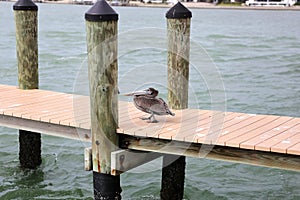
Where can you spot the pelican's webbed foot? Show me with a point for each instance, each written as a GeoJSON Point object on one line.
{"type": "Point", "coordinates": [153, 121]}
{"type": "Point", "coordinates": [151, 118]}
{"type": "Point", "coordinates": [145, 118]}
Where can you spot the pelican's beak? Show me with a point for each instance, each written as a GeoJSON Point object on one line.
{"type": "Point", "coordinates": [141, 92]}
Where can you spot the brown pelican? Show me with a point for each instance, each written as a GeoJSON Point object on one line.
{"type": "Point", "coordinates": [146, 101]}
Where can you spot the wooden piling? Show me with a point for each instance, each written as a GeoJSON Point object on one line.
{"type": "Point", "coordinates": [101, 29]}
{"type": "Point", "coordinates": [26, 20]}
{"type": "Point", "coordinates": [178, 25]}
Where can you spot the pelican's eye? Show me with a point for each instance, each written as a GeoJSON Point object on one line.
{"type": "Point", "coordinates": [148, 91]}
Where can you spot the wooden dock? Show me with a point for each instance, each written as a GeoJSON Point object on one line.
{"type": "Point", "coordinates": [265, 140]}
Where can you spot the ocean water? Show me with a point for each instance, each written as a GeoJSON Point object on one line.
{"type": "Point", "coordinates": [241, 60]}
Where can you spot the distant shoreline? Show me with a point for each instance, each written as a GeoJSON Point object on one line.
{"type": "Point", "coordinates": [201, 5]}
{"type": "Point", "coordinates": [198, 5]}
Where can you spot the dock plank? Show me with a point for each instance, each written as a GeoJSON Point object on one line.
{"type": "Point", "coordinates": [267, 145]}
{"type": "Point", "coordinates": [205, 134]}
{"type": "Point", "coordinates": [294, 149]}
{"type": "Point", "coordinates": [41, 109]}
{"type": "Point", "coordinates": [259, 138]}
{"type": "Point", "coordinates": [209, 137]}
{"type": "Point", "coordinates": [234, 138]}
{"type": "Point", "coordinates": [181, 126]}
{"type": "Point", "coordinates": [285, 144]}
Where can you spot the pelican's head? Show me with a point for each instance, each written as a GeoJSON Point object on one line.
{"type": "Point", "coordinates": [150, 92]}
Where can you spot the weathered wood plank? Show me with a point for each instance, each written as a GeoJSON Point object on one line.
{"type": "Point", "coordinates": [88, 164]}
{"type": "Point", "coordinates": [223, 153]}
{"type": "Point", "coordinates": [46, 128]}
{"type": "Point", "coordinates": [125, 160]}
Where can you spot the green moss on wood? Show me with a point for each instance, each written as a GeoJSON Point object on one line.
{"type": "Point", "coordinates": [27, 49]}
{"type": "Point", "coordinates": [27, 55]}
{"type": "Point", "coordinates": [178, 62]}
{"type": "Point", "coordinates": [103, 76]}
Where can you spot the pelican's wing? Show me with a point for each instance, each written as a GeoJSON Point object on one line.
{"type": "Point", "coordinates": [149, 105]}
{"type": "Point", "coordinates": [160, 107]}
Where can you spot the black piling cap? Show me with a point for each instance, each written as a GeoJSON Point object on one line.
{"type": "Point", "coordinates": [178, 11]}
{"type": "Point", "coordinates": [101, 11]}
{"type": "Point", "coordinates": [25, 5]}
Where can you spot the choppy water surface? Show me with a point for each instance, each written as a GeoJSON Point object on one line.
{"type": "Point", "coordinates": [257, 54]}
